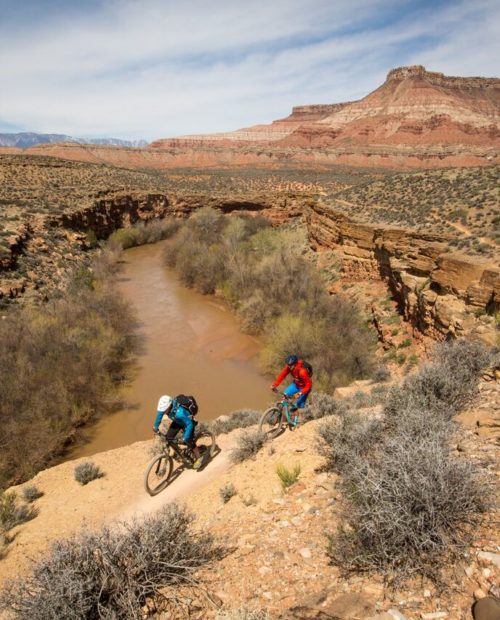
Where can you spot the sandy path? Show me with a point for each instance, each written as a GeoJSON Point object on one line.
{"type": "Point", "coordinates": [66, 506]}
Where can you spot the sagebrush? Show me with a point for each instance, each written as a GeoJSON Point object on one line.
{"type": "Point", "coordinates": [129, 563]}
{"type": "Point", "coordinates": [410, 504]}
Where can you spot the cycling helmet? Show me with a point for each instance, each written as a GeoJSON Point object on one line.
{"type": "Point", "coordinates": [291, 360]}
{"type": "Point", "coordinates": [164, 403]}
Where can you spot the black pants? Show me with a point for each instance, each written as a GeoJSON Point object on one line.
{"type": "Point", "coordinates": [175, 428]}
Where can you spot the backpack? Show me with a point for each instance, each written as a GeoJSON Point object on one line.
{"type": "Point", "coordinates": [188, 402]}
{"type": "Point", "coordinates": [308, 367]}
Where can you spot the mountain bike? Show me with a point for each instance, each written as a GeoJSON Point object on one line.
{"type": "Point", "coordinates": [276, 418]}
{"type": "Point", "coordinates": [160, 472]}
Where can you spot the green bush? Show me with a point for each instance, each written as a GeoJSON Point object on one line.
{"type": "Point", "coordinates": [288, 476]}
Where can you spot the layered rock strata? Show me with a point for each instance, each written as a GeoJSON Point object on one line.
{"type": "Point", "coordinates": [441, 294]}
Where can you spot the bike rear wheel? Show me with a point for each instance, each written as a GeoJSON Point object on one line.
{"type": "Point", "coordinates": [271, 423]}
{"type": "Point", "coordinates": [158, 473]}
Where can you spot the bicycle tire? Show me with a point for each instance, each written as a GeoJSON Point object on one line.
{"type": "Point", "coordinates": [271, 423]}
{"type": "Point", "coordinates": [157, 475]}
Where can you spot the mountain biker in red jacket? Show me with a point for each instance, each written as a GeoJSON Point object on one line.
{"type": "Point", "coordinates": [302, 382]}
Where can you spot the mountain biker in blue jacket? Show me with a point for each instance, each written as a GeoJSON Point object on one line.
{"type": "Point", "coordinates": [182, 419]}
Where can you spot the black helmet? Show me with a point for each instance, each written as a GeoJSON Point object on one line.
{"type": "Point", "coordinates": [291, 360]}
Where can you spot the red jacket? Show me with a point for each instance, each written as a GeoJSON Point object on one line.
{"type": "Point", "coordinates": [300, 376]}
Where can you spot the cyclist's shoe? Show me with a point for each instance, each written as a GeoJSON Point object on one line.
{"type": "Point", "coordinates": [198, 463]}
{"type": "Point", "coordinates": [293, 408]}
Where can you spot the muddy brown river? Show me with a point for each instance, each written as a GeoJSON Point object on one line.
{"type": "Point", "coordinates": [192, 345]}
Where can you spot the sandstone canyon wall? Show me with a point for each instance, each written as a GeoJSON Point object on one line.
{"type": "Point", "coordinates": [441, 294]}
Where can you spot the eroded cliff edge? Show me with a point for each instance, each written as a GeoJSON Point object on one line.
{"type": "Point", "coordinates": [440, 293]}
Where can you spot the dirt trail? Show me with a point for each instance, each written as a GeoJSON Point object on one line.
{"type": "Point", "coordinates": [66, 506]}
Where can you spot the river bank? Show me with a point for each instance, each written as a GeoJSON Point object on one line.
{"type": "Point", "coordinates": [191, 344]}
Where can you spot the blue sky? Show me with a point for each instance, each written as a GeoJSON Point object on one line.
{"type": "Point", "coordinates": [156, 68]}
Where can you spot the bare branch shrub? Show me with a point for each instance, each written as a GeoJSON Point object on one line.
{"type": "Point", "coordinates": [87, 471]}
{"type": "Point", "coordinates": [445, 385]}
{"type": "Point", "coordinates": [248, 444]}
{"type": "Point", "coordinates": [409, 510]}
{"type": "Point", "coordinates": [320, 405]}
{"type": "Point", "coordinates": [108, 574]}
{"type": "Point", "coordinates": [237, 419]}
{"type": "Point", "coordinates": [411, 506]}
{"type": "Point", "coordinates": [88, 336]}
{"type": "Point", "coordinates": [347, 440]}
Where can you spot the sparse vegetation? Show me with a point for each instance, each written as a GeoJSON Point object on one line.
{"type": "Point", "coordinates": [237, 419]}
{"type": "Point", "coordinates": [87, 471]}
{"type": "Point", "coordinates": [458, 203]}
{"type": "Point", "coordinates": [411, 503]}
{"type": "Point", "coordinates": [31, 493]}
{"type": "Point", "coordinates": [248, 444]}
{"type": "Point", "coordinates": [288, 476]}
{"type": "Point", "coordinates": [227, 492]}
{"type": "Point", "coordinates": [12, 513]}
{"type": "Point", "coordinates": [153, 557]}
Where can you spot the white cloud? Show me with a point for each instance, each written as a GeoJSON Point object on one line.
{"type": "Point", "coordinates": [156, 68]}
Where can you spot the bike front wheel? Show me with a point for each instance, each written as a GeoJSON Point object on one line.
{"type": "Point", "coordinates": [271, 423]}
{"type": "Point", "coordinates": [158, 473]}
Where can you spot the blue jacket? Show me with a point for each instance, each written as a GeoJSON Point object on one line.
{"type": "Point", "coordinates": [180, 416]}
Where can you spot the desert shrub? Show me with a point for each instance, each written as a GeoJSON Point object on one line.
{"type": "Point", "coordinates": [443, 386]}
{"type": "Point", "coordinates": [409, 510]}
{"type": "Point", "coordinates": [87, 471]}
{"type": "Point", "coordinates": [88, 336]}
{"type": "Point", "coordinates": [320, 405]}
{"type": "Point", "coordinates": [288, 476]}
{"type": "Point", "coordinates": [142, 233]}
{"type": "Point", "coordinates": [31, 493]}
{"type": "Point", "coordinates": [227, 491]}
{"type": "Point", "coordinates": [236, 419]}
{"type": "Point", "coordinates": [12, 513]}
{"type": "Point", "coordinates": [136, 560]}
{"type": "Point", "coordinates": [409, 503]}
{"type": "Point", "coordinates": [248, 444]}
{"type": "Point", "coordinates": [347, 440]}
{"type": "Point", "coordinates": [381, 373]}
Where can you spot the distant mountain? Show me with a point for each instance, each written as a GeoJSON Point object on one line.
{"type": "Point", "coordinates": [414, 107]}
{"type": "Point", "coordinates": [24, 140]}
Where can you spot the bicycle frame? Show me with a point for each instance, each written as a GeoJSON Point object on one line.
{"type": "Point", "coordinates": [285, 405]}
{"type": "Point", "coordinates": [185, 455]}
